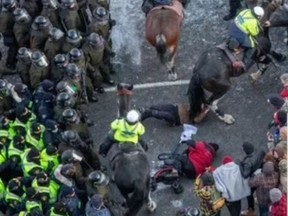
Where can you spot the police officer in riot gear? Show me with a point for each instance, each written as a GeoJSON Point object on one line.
{"type": "Point", "coordinates": [32, 6]}
{"type": "Point", "coordinates": [69, 15]}
{"type": "Point", "coordinates": [54, 43]}
{"type": "Point", "coordinates": [51, 10]}
{"type": "Point", "coordinates": [22, 26]}
{"type": "Point", "coordinates": [6, 29]}
{"type": "Point", "coordinates": [73, 39]}
{"type": "Point", "coordinates": [39, 32]}
{"type": "Point", "coordinates": [63, 101]}
{"type": "Point", "coordinates": [6, 100]}
{"type": "Point", "coordinates": [58, 67]}
{"type": "Point", "coordinates": [23, 64]}
{"type": "Point", "coordinates": [39, 69]}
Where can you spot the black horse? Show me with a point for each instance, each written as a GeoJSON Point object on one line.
{"type": "Point", "coordinates": [211, 75]}
{"type": "Point", "coordinates": [130, 165]}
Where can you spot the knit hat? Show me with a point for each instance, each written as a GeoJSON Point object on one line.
{"type": "Point", "coordinates": [280, 117]}
{"type": "Point", "coordinates": [14, 184]}
{"type": "Point", "coordinates": [47, 85]}
{"type": "Point", "coordinates": [20, 110]}
{"type": "Point", "coordinates": [33, 153]}
{"type": "Point", "coordinates": [96, 201]}
{"type": "Point", "coordinates": [248, 148]}
{"type": "Point", "coordinates": [275, 195]}
{"type": "Point", "coordinates": [59, 207]}
{"type": "Point", "coordinates": [50, 149]}
{"type": "Point", "coordinates": [275, 100]}
{"type": "Point", "coordinates": [207, 179]}
{"type": "Point", "coordinates": [227, 159]}
{"type": "Point", "coordinates": [18, 139]}
{"type": "Point", "coordinates": [67, 191]}
{"type": "Point", "coordinates": [268, 168]}
{"type": "Point", "coordinates": [51, 125]}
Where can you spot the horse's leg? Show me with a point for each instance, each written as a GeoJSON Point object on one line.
{"type": "Point", "coordinates": [170, 66]}
{"type": "Point", "coordinates": [227, 118]}
{"type": "Point", "coordinates": [255, 76]}
{"type": "Point", "coordinates": [150, 204]}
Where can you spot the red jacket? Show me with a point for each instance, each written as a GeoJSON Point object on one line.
{"type": "Point", "coordinates": [200, 156]}
{"type": "Point", "coordinates": [280, 208]}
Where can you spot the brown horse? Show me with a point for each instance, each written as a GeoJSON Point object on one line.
{"type": "Point", "coordinates": [162, 30]}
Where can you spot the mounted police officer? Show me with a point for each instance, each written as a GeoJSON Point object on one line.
{"type": "Point", "coordinates": [244, 28]}
{"type": "Point", "coordinates": [22, 26]}
{"type": "Point", "coordinates": [128, 129]}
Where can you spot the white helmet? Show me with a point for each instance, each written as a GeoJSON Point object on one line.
{"type": "Point", "coordinates": [258, 11]}
{"type": "Point", "coordinates": [133, 116]}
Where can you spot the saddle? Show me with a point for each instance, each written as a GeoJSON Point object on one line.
{"type": "Point", "coordinates": [174, 5]}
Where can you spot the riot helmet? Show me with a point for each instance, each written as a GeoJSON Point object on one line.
{"type": "Point", "coordinates": [73, 36]}
{"type": "Point", "coordinates": [98, 178]}
{"type": "Point", "coordinates": [68, 3]}
{"type": "Point", "coordinates": [63, 99]}
{"type": "Point", "coordinates": [75, 55]}
{"type": "Point", "coordinates": [55, 34]}
{"type": "Point", "coordinates": [21, 16]}
{"type": "Point", "coordinates": [9, 4]}
{"type": "Point", "coordinates": [41, 22]}
{"type": "Point", "coordinates": [39, 59]}
{"type": "Point", "coordinates": [101, 14]}
{"type": "Point", "coordinates": [73, 71]}
{"type": "Point", "coordinates": [68, 170]}
{"type": "Point", "coordinates": [70, 115]}
{"type": "Point", "coordinates": [70, 156]}
{"type": "Point", "coordinates": [51, 4]}
{"type": "Point", "coordinates": [63, 86]}
{"type": "Point", "coordinates": [61, 61]}
{"type": "Point", "coordinates": [5, 87]}
{"type": "Point", "coordinates": [24, 54]}
{"type": "Point", "coordinates": [95, 39]}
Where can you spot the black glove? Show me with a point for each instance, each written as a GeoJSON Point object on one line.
{"type": "Point", "coordinates": [112, 23]}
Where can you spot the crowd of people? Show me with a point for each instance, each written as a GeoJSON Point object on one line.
{"type": "Point", "coordinates": [48, 162]}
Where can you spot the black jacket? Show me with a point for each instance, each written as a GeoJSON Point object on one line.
{"type": "Point", "coordinates": [251, 163]}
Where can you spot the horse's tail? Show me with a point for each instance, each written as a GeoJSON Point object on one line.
{"type": "Point", "coordinates": [137, 199]}
{"type": "Point", "coordinates": [161, 48]}
{"type": "Point", "coordinates": [196, 95]}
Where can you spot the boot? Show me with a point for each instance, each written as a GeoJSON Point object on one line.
{"type": "Point", "coordinates": [278, 56]}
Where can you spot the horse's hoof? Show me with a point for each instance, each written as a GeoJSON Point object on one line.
{"type": "Point", "coordinates": [172, 76]}
{"type": "Point", "coordinates": [255, 76]}
{"type": "Point", "coordinates": [228, 119]}
{"type": "Point", "coordinates": [151, 206]}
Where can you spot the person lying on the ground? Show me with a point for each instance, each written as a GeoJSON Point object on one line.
{"type": "Point", "coordinates": [195, 159]}
{"type": "Point", "coordinates": [174, 114]}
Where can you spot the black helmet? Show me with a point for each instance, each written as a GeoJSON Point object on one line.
{"type": "Point", "coordinates": [75, 55]}
{"type": "Point", "coordinates": [61, 61]}
{"type": "Point", "coordinates": [63, 99]}
{"type": "Point", "coordinates": [21, 15]}
{"type": "Point", "coordinates": [55, 34]}
{"type": "Point", "coordinates": [5, 87]}
{"type": "Point", "coordinates": [63, 86]}
{"type": "Point", "coordinates": [3, 84]}
{"type": "Point", "coordinates": [53, 4]}
{"type": "Point", "coordinates": [73, 71]}
{"type": "Point", "coordinates": [100, 12]}
{"type": "Point", "coordinates": [68, 156]}
{"type": "Point", "coordinates": [69, 114]}
{"type": "Point", "coordinates": [41, 22]}
{"type": "Point", "coordinates": [51, 125]}
{"type": "Point", "coordinates": [68, 3]}
{"type": "Point", "coordinates": [98, 178]}
{"type": "Point", "coordinates": [24, 53]}
{"type": "Point", "coordinates": [68, 170]}
{"type": "Point", "coordinates": [39, 59]}
{"type": "Point", "coordinates": [73, 36]}
{"type": "Point", "coordinates": [9, 4]}
{"type": "Point", "coordinates": [95, 39]}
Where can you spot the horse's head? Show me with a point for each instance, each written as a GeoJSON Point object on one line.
{"type": "Point", "coordinates": [124, 92]}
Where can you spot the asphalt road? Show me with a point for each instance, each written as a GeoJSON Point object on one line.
{"type": "Point", "coordinates": [136, 63]}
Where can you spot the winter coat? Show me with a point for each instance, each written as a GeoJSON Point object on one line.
{"type": "Point", "coordinates": [251, 163]}
{"type": "Point", "coordinates": [200, 156]}
{"type": "Point", "coordinates": [230, 183]}
{"type": "Point", "coordinates": [90, 211]}
{"type": "Point", "coordinates": [283, 175]}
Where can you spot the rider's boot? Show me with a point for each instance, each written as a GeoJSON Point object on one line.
{"type": "Point", "coordinates": [106, 145]}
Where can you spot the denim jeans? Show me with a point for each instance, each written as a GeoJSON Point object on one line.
{"type": "Point", "coordinates": [264, 210]}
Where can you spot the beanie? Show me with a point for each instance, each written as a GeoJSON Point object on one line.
{"type": "Point", "coordinates": [227, 159]}
{"type": "Point", "coordinates": [275, 195]}
{"type": "Point", "coordinates": [20, 110]}
{"type": "Point", "coordinates": [275, 100]}
{"type": "Point", "coordinates": [14, 184]}
{"type": "Point", "coordinates": [51, 125]}
{"type": "Point", "coordinates": [268, 168]}
{"type": "Point", "coordinates": [36, 128]}
{"type": "Point", "coordinates": [248, 148]}
{"type": "Point", "coordinates": [31, 192]}
{"type": "Point", "coordinates": [18, 139]}
{"type": "Point", "coordinates": [33, 153]}
{"type": "Point", "coordinates": [280, 117]}
{"type": "Point", "coordinates": [67, 191]}
{"type": "Point", "coordinates": [50, 149]}
{"type": "Point", "coordinates": [59, 207]}
{"type": "Point", "coordinates": [47, 85]}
